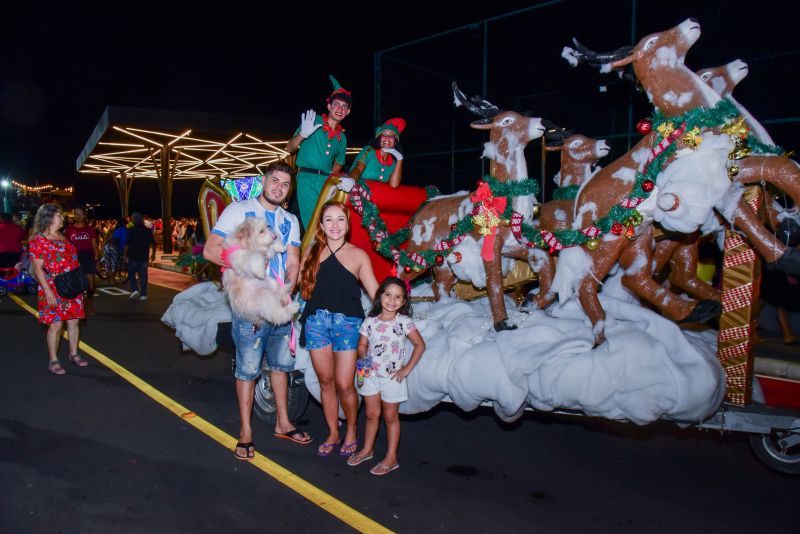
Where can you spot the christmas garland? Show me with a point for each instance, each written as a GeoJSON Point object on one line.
{"type": "Point", "coordinates": [724, 112]}
{"type": "Point", "coordinates": [622, 219]}
{"type": "Point", "coordinates": [386, 243]}
{"type": "Point", "coordinates": [569, 192]}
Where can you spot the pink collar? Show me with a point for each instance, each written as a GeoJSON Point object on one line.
{"type": "Point", "coordinates": [226, 252]}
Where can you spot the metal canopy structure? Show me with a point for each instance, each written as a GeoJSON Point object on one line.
{"type": "Point", "coordinates": [130, 143]}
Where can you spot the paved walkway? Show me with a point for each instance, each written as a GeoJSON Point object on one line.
{"type": "Point", "coordinates": [169, 279]}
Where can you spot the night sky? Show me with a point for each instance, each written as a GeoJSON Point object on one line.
{"type": "Point", "coordinates": [59, 71]}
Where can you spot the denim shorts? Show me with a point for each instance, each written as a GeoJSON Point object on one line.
{"type": "Point", "coordinates": [251, 347]}
{"type": "Point", "coordinates": [325, 328]}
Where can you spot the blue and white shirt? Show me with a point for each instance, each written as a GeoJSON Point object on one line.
{"type": "Point", "coordinates": [283, 223]}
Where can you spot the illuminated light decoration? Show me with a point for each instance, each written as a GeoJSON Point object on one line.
{"type": "Point", "coordinates": [137, 153]}
{"type": "Point", "coordinates": [39, 188]}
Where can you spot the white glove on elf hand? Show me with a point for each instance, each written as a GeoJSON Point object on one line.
{"type": "Point", "coordinates": [345, 184]}
{"type": "Point", "coordinates": [307, 126]}
{"type": "Point", "coordinates": [398, 156]}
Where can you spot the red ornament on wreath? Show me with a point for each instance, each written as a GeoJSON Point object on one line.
{"type": "Point", "coordinates": [453, 227]}
{"type": "Point", "coordinates": [647, 186]}
{"type": "Point", "coordinates": [617, 229]}
{"type": "Point", "coordinates": [644, 126]}
{"type": "Point", "coordinates": [439, 259]}
{"type": "Point", "coordinates": [407, 269]}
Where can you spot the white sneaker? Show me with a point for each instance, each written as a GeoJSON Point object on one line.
{"type": "Point", "coordinates": [134, 295]}
{"type": "Point", "coordinates": [143, 297]}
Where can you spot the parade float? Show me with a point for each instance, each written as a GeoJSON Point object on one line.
{"type": "Point", "coordinates": [600, 334]}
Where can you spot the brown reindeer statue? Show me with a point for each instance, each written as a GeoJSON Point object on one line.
{"type": "Point", "coordinates": [481, 258]}
{"type": "Point", "coordinates": [683, 255]}
{"type": "Point", "coordinates": [579, 157]}
{"type": "Point", "coordinates": [690, 183]}
{"type": "Point", "coordinates": [723, 80]}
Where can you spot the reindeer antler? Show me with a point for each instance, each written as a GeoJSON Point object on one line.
{"type": "Point", "coordinates": [555, 135]}
{"type": "Point", "coordinates": [581, 54]}
{"type": "Point", "coordinates": [476, 104]}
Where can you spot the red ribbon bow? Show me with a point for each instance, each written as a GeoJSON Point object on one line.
{"type": "Point", "coordinates": [489, 205]}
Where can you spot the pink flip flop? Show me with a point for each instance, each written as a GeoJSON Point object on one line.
{"type": "Point", "coordinates": [353, 461]}
{"type": "Point", "coordinates": [380, 469]}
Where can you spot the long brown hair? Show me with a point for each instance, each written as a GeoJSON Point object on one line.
{"type": "Point", "coordinates": [308, 276]}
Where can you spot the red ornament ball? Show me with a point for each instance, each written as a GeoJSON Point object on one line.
{"type": "Point", "coordinates": [617, 229]}
{"type": "Point", "coordinates": [647, 186]}
{"type": "Point", "coordinates": [407, 269]}
{"type": "Point", "coordinates": [439, 259]}
{"type": "Point", "coordinates": [644, 126]}
{"type": "Point", "coordinates": [452, 227]}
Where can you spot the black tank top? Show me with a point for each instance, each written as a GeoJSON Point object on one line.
{"type": "Point", "coordinates": [337, 290]}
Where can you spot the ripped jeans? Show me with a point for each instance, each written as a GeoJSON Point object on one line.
{"type": "Point", "coordinates": [252, 344]}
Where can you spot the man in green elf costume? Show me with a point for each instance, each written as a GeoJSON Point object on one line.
{"type": "Point", "coordinates": [321, 143]}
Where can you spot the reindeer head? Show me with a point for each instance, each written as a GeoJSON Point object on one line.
{"type": "Point", "coordinates": [657, 61]}
{"type": "Point", "coordinates": [578, 154]}
{"type": "Point", "coordinates": [725, 78]}
{"type": "Point", "coordinates": [499, 123]}
{"type": "Point", "coordinates": [509, 133]}
{"type": "Point", "coordinates": [667, 48]}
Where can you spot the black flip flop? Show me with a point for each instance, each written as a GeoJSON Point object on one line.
{"type": "Point", "coordinates": [248, 447]}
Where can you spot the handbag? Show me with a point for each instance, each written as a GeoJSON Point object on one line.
{"type": "Point", "coordinates": [71, 283]}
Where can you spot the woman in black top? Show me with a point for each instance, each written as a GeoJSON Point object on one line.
{"type": "Point", "coordinates": [332, 272]}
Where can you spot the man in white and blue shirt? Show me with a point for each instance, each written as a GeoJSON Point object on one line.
{"type": "Point", "coordinates": [253, 342]}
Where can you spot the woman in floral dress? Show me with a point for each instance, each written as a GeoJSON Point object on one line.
{"type": "Point", "coordinates": [51, 254]}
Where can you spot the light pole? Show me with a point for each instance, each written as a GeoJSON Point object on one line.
{"type": "Point", "coordinates": [5, 184]}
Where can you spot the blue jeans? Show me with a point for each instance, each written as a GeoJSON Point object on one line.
{"type": "Point", "coordinates": [252, 343]}
{"type": "Point", "coordinates": [138, 268]}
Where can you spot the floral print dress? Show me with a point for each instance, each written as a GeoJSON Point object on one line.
{"type": "Point", "coordinates": [59, 257]}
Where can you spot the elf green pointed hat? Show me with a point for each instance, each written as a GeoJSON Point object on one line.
{"type": "Point", "coordinates": [395, 125]}
{"type": "Point", "coordinates": [339, 92]}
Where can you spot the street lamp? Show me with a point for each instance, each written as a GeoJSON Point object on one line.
{"type": "Point", "coordinates": [5, 184]}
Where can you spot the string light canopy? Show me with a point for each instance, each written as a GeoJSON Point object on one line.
{"type": "Point", "coordinates": [131, 143]}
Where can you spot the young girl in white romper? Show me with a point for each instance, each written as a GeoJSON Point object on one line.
{"type": "Point", "coordinates": [381, 373]}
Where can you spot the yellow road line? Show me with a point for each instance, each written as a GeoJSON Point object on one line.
{"type": "Point", "coordinates": [324, 500]}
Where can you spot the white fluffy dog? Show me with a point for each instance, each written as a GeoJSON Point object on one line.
{"type": "Point", "coordinates": [253, 295]}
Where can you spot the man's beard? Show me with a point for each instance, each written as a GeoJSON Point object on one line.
{"type": "Point", "coordinates": [270, 201]}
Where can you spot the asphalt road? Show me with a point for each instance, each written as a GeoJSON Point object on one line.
{"type": "Point", "coordinates": [88, 452]}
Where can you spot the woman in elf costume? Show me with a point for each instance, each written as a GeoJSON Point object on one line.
{"type": "Point", "coordinates": [382, 159]}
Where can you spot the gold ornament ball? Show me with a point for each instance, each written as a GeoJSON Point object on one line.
{"type": "Point", "coordinates": [537, 209]}
{"type": "Point", "coordinates": [593, 244]}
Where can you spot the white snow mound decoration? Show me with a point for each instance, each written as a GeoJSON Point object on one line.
{"type": "Point", "coordinates": [647, 369]}
{"type": "Point", "coordinates": [195, 314]}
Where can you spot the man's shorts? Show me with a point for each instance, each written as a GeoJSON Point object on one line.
{"type": "Point", "coordinates": [389, 389]}
{"type": "Point", "coordinates": [336, 329]}
{"type": "Point", "coordinates": [252, 345]}
{"type": "Point", "coordinates": [87, 261]}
